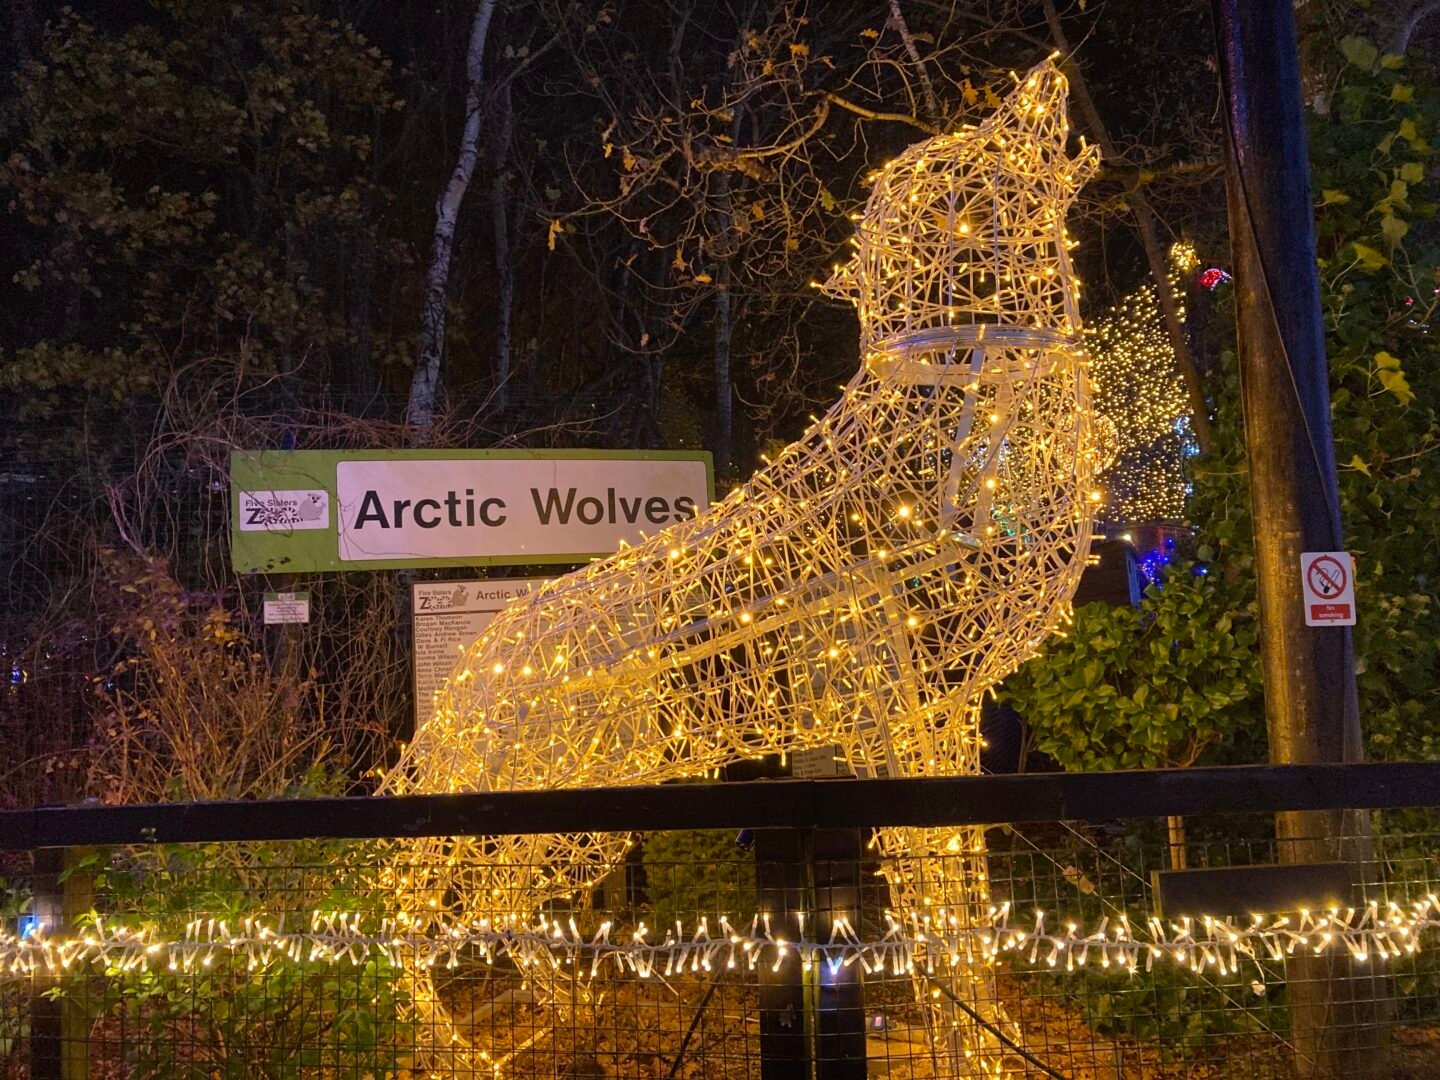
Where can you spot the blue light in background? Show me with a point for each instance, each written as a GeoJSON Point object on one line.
{"type": "Point", "coordinates": [1152, 563]}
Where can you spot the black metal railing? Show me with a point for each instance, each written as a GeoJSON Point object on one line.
{"type": "Point", "coordinates": [864, 931]}
{"type": "Point", "coordinates": [957, 800]}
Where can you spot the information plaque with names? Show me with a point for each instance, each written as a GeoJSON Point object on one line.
{"type": "Point", "coordinates": [448, 616]}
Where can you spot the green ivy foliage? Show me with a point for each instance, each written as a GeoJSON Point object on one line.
{"type": "Point", "coordinates": [1144, 688]}
{"type": "Point", "coordinates": [695, 872]}
{"type": "Point", "coordinates": [179, 189]}
{"type": "Point", "coordinates": [295, 1019]}
{"type": "Point", "coordinates": [1385, 365]}
{"type": "Point", "coordinates": [1372, 170]}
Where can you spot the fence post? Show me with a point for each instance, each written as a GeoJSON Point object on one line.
{"type": "Point", "coordinates": [59, 1025]}
{"type": "Point", "coordinates": [840, 1050]}
{"type": "Point", "coordinates": [781, 879]}
{"type": "Point", "coordinates": [46, 1037]}
{"type": "Point", "coordinates": [811, 1024]}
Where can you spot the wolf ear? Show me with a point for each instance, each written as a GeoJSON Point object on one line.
{"type": "Point", "coordinates": [1039, 103]}
{"type": "Point", "coordinates": [1044, 84]}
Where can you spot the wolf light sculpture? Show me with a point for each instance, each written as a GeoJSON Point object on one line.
{"type": "Point", "coordinates": [861, 591]}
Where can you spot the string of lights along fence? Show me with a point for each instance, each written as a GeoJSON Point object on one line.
{"type": "Point", "coordinates": [915, 942]}
{"type": "Point", "coordinates": [861, 591]}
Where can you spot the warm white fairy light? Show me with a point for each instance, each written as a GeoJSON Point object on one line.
{"type": "Point", "coordinates": [1138, 388]}
{"type": "Point", "coordinates": [862, 591]}
{"type": "Point", "coordinates": [931, 942]}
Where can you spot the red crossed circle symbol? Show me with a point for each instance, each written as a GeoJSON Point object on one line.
{"type": "Point", "coordinates": [1326, 577]}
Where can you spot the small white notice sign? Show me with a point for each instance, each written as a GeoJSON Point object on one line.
{"type": "Point", "coordinates": [448, 616]}
{"type": "Point", "coordinates": [1328, 581]}
{"type": "Point", "coordinates": [287, 607]}
{"type": "Point", "coordinates": [816, 763]}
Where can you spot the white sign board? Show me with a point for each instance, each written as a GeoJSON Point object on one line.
{"type": "Point", "coordinates": [1328, 581]}
{"type": "Point", "coordinates": [448, 616]}
{"type": "Point", "coordinates": [287, 607]}
{"type": "Point", "coordinates": [519, 509]}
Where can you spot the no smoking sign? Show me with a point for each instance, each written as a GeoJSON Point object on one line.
{"type": "Point", "coordinates": [1328, 581]}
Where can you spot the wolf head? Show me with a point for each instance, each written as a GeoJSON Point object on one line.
{"type": "Point", "coordinates": [970, 227]}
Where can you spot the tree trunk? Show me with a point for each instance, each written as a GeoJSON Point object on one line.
{"type": "Point", "coordinates": [504, 273]}
{"type": "Point", "coordinates": [723, 224]}
{"type": "Point", "coordinates": [1175, 826]}
{"type": "Point", "coordinates": [897, 18]}
{"type": "Point", "coordinates": [1149, 238]}
{"type": "Point", "coordinates": [1159, 265]}
{"type": "Point", "coordinates": [25, 32]}
{"type": "Point", "coordinates": [424, 386]}
{"type": "Point", "coordinates": [357, 379]}
{"type": "Point", "coordinates": [647, 434]}
{"type": "Point", "coordinates": [724, 393]}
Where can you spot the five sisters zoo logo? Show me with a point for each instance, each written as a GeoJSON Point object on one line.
{"type": "Point", "coordinates": [284, 511]}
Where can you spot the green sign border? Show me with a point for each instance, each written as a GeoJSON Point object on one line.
{"type": "Point", "coordinates": [311, 550]}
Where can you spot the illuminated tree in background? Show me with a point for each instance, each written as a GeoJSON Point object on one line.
{"type": "Point", "coordinates": [1138, 388]}
{"type": "Point", "coordinates": [862, 591]}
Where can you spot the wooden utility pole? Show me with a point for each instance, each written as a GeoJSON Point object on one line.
{"type": "Point", "coordinates": [1310, 704]}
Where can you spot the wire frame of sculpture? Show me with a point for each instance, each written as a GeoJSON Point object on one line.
{"type": "Point", "coordinates": [862, 591]}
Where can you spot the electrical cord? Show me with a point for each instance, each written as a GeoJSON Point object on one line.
{"type": "Point", "coordinates": [993, 1029]}
{"type": "Point", "coordinates": [694, 1023]}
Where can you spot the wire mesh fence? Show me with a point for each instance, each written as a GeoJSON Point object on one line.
{"type": "Point", "coordinates": [725, 952]}
{"type": "Point", "coordinates": [111, 511]}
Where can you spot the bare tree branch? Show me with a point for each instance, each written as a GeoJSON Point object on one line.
{"type": "Point", "coordinates": [1145, 226]}
{"type": "Point", "coordinates": [871, 114]}
{"type": "Point", "coordinates": [1411, 23]}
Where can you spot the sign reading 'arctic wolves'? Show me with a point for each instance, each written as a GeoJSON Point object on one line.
{"type": "Point", "coordinates": [410, 509]}
{"type": "Point", "coordinates": [307, 510]}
